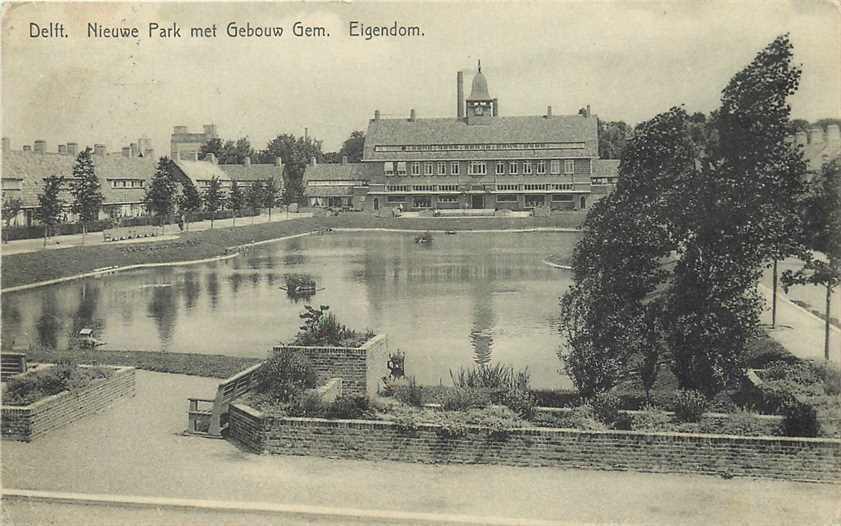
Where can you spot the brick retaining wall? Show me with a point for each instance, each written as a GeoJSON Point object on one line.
{"type": "Point", "coordinates": [359, 368]}
{"type": "Point", "coordinates": [29, 422]}
{"type": "Point", "coordinates": [802, 459]}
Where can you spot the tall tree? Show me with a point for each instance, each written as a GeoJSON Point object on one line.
{"type": "Point", "coordinates": [161, 195]}
{"type": "Point", "coordinates": [11, 208]}
{"type": "Point", "coordinates": [213, 198]}
{"type": "Point", "coordinates": [189, 201]}
{"type": "Point", "coordinates": [295, 152]}
{"type": "Point", "coordinates": [612, 139]}
{"type": "Point", "coordinates": [87, 192]}
{"type": "Point", "coordinates": [254, 198]}
{"type": "Point", "coordinates": [352, 147]}
{"type": "Point", "coordinates": [227, 152]}
{"type": "Point", "coordinates": [50, 204]}
{"type": "Point", "coordinates": [270, 193]}
{"type": "Point", "coordinates": [235, 201]}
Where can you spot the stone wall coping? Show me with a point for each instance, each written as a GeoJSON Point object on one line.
{"type": "Point", "coordinates": [670, 413]}
{"type": "Point", "coordinates": [362, 348]}
{"type": "Point", "coordinates": [34, 405]}
{"type": "Point", "coordinates": [532, 430]}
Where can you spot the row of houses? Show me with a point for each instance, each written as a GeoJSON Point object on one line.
{"type": "Point", "coordinates": [124, 176]}
{"type": "Point", "coordinates": [479, 159]}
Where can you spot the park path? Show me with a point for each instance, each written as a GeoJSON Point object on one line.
{"type": "Point", "coordinates": [171, 231]}
{"type": "Point", "coordinates": [135, 449]}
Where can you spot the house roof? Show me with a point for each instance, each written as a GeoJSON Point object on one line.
{"type": "Point", "coordinates": [328, 191]}
{"type": "Point", "coordinates": [201, 171]}
{"type": "Point", "coordinates": [496, 130]}
{"type": "Point", "coordinates": [337, 172]}
{"type": "Point", "coordinates": [605, 167]}
{"type": "Point", "coordinates": [31, 168]}
{"type": "Point", "coordinates": [253, 172]}
{"type": "Point", "coordinates": [817, 154]}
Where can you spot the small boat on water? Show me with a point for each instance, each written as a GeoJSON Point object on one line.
{"type": "Point", "coordinates": [423, 239]}
{"type": "Point", "coordinates": [87, 340]}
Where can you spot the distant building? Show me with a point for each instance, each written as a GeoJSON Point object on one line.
{"type": "Point", "coordinates": [479, 159]}
{"type": "Point", "coordinates": [342, 185]}
{"type": "Point", "coordinates": [123, 178]}
{"type": "Point", "coordinates": [820, 145]}
{"type": "Point", "coordinates": [200, 173]}
{"type": "Point", "coordinates": [186, 145]}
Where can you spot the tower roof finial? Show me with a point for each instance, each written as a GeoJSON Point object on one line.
{"type": "Point", "coordinates": [480, 65]}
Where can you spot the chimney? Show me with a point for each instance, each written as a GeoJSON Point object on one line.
{"type": "Point", "coordinates": [40, 146]}
{"type": "Point", "coordinates": [210, 157]}
{"type": "Point", "coordinates": [27, 148]}
{"type": "Point", "coordinates": [833, 134]}
{"type": "Point", "coordinates": [62, 149]}
{"type": "Point", "coordinates": [314, 162]}
{"type": "Point", "coordinates": [815, 136]}
{"type": "Point", "coordinates": [99, 149]}
{"type": "Point", "coordinates": [247, 161]}
{"type": "Point", "coordinates": [460, 94]}
{"type": "Point", "coordinates": [72, 148]}
{"type": "Point", "coordinates": [801, 138]}
{"type": "Point", "coordinates": [587, 112]}
{"type": "Point", "coordinates": [7, 144]}
{"type": "Point", "coordinates": [344, 159]}
{"type": "Point", "coordinates": [149, 153]}
{"type": "Point", "coordinates": [548, 111]}
{"type": "Point", "coordinates": [376, 115]}
{"type": "Point", "coordinates": [496, 108]}
{"type": "Point", "coordinates": [195, 155]}
{"type": "Point", "coordinates": [134, 149]}
{"type": "Point", "coordinates": [412, 115]}
{"type": "Point", "coordinates": [126, 152]}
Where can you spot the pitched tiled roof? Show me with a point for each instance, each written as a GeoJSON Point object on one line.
{"type": "Point", "coordinates": [818, 154]}
{"type": "Point", "coordinates": [32, 168]}
{"type": "Point", "coordinates": [498, 130]}
{"type": "Point", "coordinates": [605, 167]}
{"type": "Point", "coordinates": [337, 172]}
{"type": "Point", "coordinates": [328, 191]}
{"type": "Point", "coordinates": [201, 171]}
{"type": "Point", "coordinates": [253, 172]}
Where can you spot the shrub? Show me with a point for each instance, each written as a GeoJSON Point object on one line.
{"type": "Point", "coordinates": [463, 398]}
{"type": "Point", "coordinates": [741, 423]}
{"type": "Point", "coordinates": [520, 402]}
{"type": "Point", "coordinates": [689, 405]}
{"type": "Point", "coordinates": [651, 419]}
{"type": "Point", "coordinates": [323, 328]}
{"type": "Point", "coordinates": [308, 404]}
{"type": "Point", "coordinates": [495, 377]}
{"type": "Point", "coordinates": [582, 417]}
{"type": "Point", "coordinates": [830, 375]}
{"type": "Point", "coordinates": [410, 394]}
{"type": "Point", "coordinates": [24, 390]}
{"type": "Point", "coordinates": [606, 407]}
{"type": "Point", "coordinates": [285, 376]}
{"type": "Point", "coordinates": [763, 350]}
{"type": "Point", "coordinates": [799, 419]}
{"type": "Point", "coordinates": [348, 407]}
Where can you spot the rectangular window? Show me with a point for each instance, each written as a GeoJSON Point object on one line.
{"type": "Point", "coordinates": [401, 167]}
{"type": "Point", "coordinates": [541, 167]}
{"type": "Point", "coordinates": [454, 168]}
{"type": "Point", "coordinates": [562, 197]}
{"type": "Point", "coordinates": [512, 168]}
{"type": "Point", "coordinates": [423, 202]}
{"type": "Point", "coordinates": [526, 167]}
{"type": "Point", "coordinates": [415, 168]}
{"type": "Point", "coordinates": [428, 169]}
{"type": "Point", "coordinates": [507, 198]}
{"type": "Point", "coordinates": [442, 168]}
{"type": "Point", "coordinates": [388, 168]}
{"type": "Point", "coordinates": [569, 166]}
{"type": "Point", "coordinates": [563, 187]}
{"type": "Point", "coordinates": [477, 167]}
{"type": "Point", "coordinates": [555, 166]}
{"type": "Point", "coordinates": [535, 200]}
{"type": "Point", "coordinates": [500, 168]}
{"type": "Point", "coordinates": [448, 188]}
{"type": "Point", "coordinates": [507, 187]}
{"type": "Point", "coordinates": [396, 199]}
{"type": "Point", "coordinates": [423, 188]}
{"type": "Point", "coordinates": [447, 199]}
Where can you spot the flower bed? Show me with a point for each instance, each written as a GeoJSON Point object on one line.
{"type": "Point", "coordinates": [27, 422]}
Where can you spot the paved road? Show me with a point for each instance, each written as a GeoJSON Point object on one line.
{"type": "Point", "coordinates": [95, 238]}
{"type": "Point", "coordinates": [135, 449]}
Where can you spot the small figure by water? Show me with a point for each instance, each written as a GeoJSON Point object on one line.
{"type": "Point", "coordinates": [424, 239]}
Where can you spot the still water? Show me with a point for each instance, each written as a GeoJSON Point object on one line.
{"type": "Point", "coordinates": [464, 299]}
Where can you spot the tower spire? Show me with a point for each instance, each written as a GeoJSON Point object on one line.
{"type": "Point", "coordinates": [480, 65]}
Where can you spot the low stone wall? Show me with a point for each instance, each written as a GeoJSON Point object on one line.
{"type": "Point", "coordinates": [802, 459]}
{"type": "Point", "coordinates": [359, 368]}
{"type": "Point", "coordinates": [29, 422]}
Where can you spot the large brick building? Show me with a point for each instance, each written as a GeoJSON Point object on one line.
{"type": "Point", "coordinates": [480, 159]}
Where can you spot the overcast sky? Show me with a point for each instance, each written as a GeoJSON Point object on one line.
{"type": "Point", "coordinates": [629, 61]}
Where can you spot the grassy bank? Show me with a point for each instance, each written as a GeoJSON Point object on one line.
{"type": "Point", "coordinates": [33, 267]}
{"type": "Point", "coordinates": [209, 365]}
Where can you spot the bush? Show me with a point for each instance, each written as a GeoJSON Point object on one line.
{"type": "Point", "coordinates": [689, 405]}
{"type": "Point", "coordinates": [520, 402]}
{"type": "Point", "coordinates": [463, 398]}
{"type": "Point", "coordinates": [348, 407]}
{"type": "Point", "coordinates": [606, 407]}
{"type": "Point", "coordinates": [651, 419]}
{"type": "Point", "coordinates": [24, 390]}
{"type": "Point", "coordinates": [741, 423]}
{"type": "Point", "coordinates": [323, 328]}
{"type": "Point", "coordinates": [763, 350]}
{"type": "Point", "coordinates": [285, 376]}
{"type": "Point", "coordinates": [309, 404]}
{"type": "Point", "coordinates": [800, 419]}
{"type": "Point", "coordinates": [496, 377]}
{"type": "Point", "coordinates": [410, 394]}
{"type": "Point", "coordinates": [582, 417]}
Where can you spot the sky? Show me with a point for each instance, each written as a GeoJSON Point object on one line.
{"type": "Point", "coordinates": [628, 61]}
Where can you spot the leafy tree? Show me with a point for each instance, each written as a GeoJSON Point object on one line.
{"type": "Point", "coordinates": [352, 147]}
{"type": "Point", "coordinates": [189, 201]}
{"type": "Point", "coordinates": [50, 204]}
{"type": "Point", "coordinates": [160, 197]}
{"type": "Point", "coordinates": [612, 138]}
{"type": "Point", "coordinates": [235, 201]}
{"type": "Point", "coordinates": [213, 146]}
{"type": "Point", "coordinates": [87, 193]}
{"type": "Point", "coordinates": [228, 152]}
{"type": "Point", "coordinates": [11, 208]}
{"type": "Point", "coordinates": [823, 217]}
{"type": "Point", "coordinates": [270, 193]}
{"type": "Point", "coordinates": [295, 152]}
{"type": "Point", "coordinates": [254, 198]}
{"type": "Point", "coordinates": [213, 198]}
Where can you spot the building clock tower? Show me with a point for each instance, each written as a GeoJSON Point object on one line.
{"type": "Point", "coordinates": [480, 106]}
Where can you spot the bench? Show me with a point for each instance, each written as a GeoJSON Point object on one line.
{"type": "Point", "coordinates": [209, 417]}
{"type": "Point", "coordinates": [129, 232]}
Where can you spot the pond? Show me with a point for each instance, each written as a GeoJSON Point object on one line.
{"type": "Point", "coordinates": [462, 299]}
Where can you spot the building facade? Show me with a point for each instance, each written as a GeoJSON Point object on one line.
{"type": "Point", "coordinates": [186, 145]}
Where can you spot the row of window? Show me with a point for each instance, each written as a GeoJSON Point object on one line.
{"type": "Point", "coordinates": [479, 147]}
{"type": "Point", "coordinates": [539, 187]}
{"type": "Point", "coordinates": [530, 200]}
{"type": "Point", "coordinates": [480, 167]}
{"type": "Point", "coordinates": [127, 183]}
